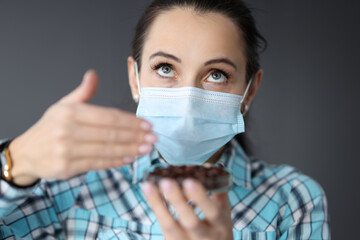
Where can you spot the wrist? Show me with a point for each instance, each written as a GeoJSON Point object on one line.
{"type": "Point", "coordinates": [20, 169]}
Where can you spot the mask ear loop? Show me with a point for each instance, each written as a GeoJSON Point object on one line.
{"type": "Point", "coordinates": [137, 96]}
{"type": "Point", "coordinates": [244, 96]}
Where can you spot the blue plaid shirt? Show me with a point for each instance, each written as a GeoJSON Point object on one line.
{"type": "Point", "coordinates": [268, 202]}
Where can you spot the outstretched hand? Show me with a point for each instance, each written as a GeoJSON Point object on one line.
{"type": "Point", "coordinates": [73, 137]}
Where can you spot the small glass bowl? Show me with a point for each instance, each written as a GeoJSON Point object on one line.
{"type": "Point", "coordinates": [214, 178]}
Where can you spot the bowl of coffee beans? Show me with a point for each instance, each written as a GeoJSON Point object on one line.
{"type": "Point", "coordinates": [215, 179]}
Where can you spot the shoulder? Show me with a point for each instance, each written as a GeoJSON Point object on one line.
{"type": "Point", "coordinates": [291, 203]}
{"type": "Point", "coordinates": [302, 203]}
{"type": "Point", "coordinates": [297, 183]}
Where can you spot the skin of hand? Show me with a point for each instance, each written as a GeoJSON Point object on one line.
{"type": "Point", "coordinates": [73, 137]}
{"type": "Point", "coordinates": [216, 224]}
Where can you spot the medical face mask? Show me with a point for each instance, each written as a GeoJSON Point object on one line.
{"type": "Point", "coordinates": [191, 123]}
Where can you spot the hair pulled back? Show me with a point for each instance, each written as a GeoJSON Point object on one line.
{"type": "Point", "coordinates": [236, 10]}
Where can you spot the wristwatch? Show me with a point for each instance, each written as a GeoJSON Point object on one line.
{"type": "Point", "coordinates": [6, 162]}
{"type": "Point", "coordinates": [6, 165]}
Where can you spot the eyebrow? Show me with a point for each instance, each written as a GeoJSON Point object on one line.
{"type": "Point", "coordinates": [221, 60]}
{"type": "Point", "coordinates": [164, 54]}
{"type": "Point", "coordinates": [212, 61]}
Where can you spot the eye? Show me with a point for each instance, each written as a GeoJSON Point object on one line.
{"type": "Point", "coordinates": [217, 76]}
{"type": "Point", "coordinates": [165, 70]}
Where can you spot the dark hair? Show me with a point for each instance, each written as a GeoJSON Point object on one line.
{"type": "Point", "coordinates": [236, 10]}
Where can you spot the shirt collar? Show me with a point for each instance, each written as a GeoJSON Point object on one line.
{"type": "Point", "coordinates": [233, 158]}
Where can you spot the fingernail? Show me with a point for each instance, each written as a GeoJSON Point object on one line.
{"type": "Point", "coordinates": [145, 126]}
{"type": "Point", "coordinates": [128, 159]}
{"type": "Point", "coordinates": [150, 138]}
{"type": "Point", "coordinates": [147, 188]}
{"type": "Point", "coordinates": [165, 185]}
{"type": "Point", "coordinates": [189, 185]}
{"type": "Point", "coordinates": [88, 72]}
{"type": "Point", "coordinates": [145, 148]}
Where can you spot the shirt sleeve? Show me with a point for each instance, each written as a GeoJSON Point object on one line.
{"type": "Point", "coordinates": [305, 215]}
{"type": "Point", "coordinates": [10, 195]}
{"type": "Point", "coordinates": [38, 212]}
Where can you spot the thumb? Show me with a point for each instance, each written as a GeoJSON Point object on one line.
{"type": "Point", "coordinates": [86, 90]}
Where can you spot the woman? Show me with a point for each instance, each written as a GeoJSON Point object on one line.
{"type": "Point", "coordinates": [78, 172]}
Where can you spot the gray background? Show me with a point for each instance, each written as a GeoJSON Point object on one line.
{"type": "Point", "coordinates": [306, 113]}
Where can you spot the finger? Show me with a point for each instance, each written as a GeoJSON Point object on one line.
{"type": "Point", "coordinates": [106, 116]}
{"type": "Point", "coordinates": [112, 135]}
{"type": "Point", "coordinates": [169, 226]}
{"type": "Point", "coordinates": [187, 217]}
{"type": "Point", "coordinates": [222, 200]}
{"type": "Point", "coordinates": [88, 164]}
{"type": "Point", "coordinates": [108, 150]}
{"type": "Point", "coordinates": [195, 191]}
{"type": "Point", "coordinates": [85, 91]}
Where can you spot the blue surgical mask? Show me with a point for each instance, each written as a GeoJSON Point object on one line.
{"type": "Point", "coordinates": [191, 123]}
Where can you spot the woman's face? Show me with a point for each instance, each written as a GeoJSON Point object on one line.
{"type": "Point", "coordinates": [184, 48]}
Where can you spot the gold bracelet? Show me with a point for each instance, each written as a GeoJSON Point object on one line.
{"type": "Point", "coordinates": [8, 165]}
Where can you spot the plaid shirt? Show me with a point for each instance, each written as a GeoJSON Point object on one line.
{"type": "Point", "coordinates": [268, 202]}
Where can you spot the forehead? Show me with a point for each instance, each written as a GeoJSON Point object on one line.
{"type": "Point", "coordinates": [191, 35]}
